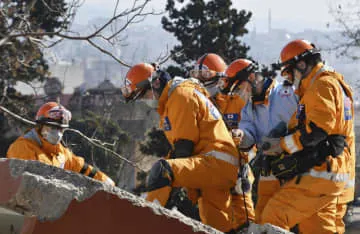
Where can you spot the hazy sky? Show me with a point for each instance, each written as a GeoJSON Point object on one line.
{"type": "Point", "coordinates": [294, 15]}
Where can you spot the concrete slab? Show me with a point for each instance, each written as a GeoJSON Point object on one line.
{"type": "Point", "coordinates": [45, 199]}
{"type": "Point", "coordinates": [10, 221]}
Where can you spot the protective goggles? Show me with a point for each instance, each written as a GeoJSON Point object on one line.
{"type": "Point", "coordinates": [204, 73]}
{"type": "Point", "coordinates": [56, 117]}
{"type": "Point", "coordinates": [60, 114]}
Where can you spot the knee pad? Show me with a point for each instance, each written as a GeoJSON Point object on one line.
{"type": "Point", "coordinates": [160, 175]}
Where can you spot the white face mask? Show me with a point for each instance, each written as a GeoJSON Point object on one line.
{"type": "Point", "coordinates": [52, 135]}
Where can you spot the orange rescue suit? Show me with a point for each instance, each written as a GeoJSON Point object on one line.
{"type": "Point", "coordinates": [187, 113]}
{"type": "Point", "coordinates": [326, 101]}
{"type": "Point", "coordinates": [230, 107]}
{"type": "Point", "coordinates": [32, 146]}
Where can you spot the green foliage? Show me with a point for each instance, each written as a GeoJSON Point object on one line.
{"type": "Point", "coordinates": [21, 61]}
{"type": "Point", "coordinates": [204, 27]}
{"type": "Point", "coordinates": [155, 143]}
{"type": "Point", "coordinates": [106, 131]}
{"type": "Point", "coordinates": [21, 58]}
{"type": "Point", "coordinates": [50, 16]}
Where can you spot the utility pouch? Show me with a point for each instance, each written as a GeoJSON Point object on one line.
{"type": "Point", "coordinates": [285, 167]}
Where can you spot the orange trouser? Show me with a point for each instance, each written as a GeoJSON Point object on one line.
{"type": "Point", "coordinates": [267, 187]}
{"type": "Point", "coordinates": [310, 203]}
{"type": "Point", "coordinates": [242, 209]}
{"type": "Point", "coordinates": [213, 177]}
{"type": "Point", "coordinates": [346, 197]}
{"type": "Point", "coordinates": [241, 212]}
{"type": "Point", "coordinates": [340, 213]}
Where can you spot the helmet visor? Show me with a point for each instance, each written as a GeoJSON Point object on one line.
{"type": "Point", "coordinates": [243, 89]}
{"type": "Point", "coordinates": [202, 73]}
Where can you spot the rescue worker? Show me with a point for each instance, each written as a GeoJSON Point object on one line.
{"type": "Point", "coordinates": [268, 106]}
{"type": "Point", "coordinates": [43, 143]}
{"type": "Point", "coordinates": [321, 157]}
{"type": "Point", "coordinates": [208, 69]}
{"type": "Point", "coordinates": [203, 157]}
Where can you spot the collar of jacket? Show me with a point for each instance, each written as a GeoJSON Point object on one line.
{"type": "Point", "coordinates": [172, 85]}
{"type": "Point", "coordinates": [308, 80]}
{"type": "Point", "coordinates": [48, 148]}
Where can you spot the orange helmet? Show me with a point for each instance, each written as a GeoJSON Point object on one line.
{"type": "Point", "coordinates": [237, 72]}
{"type": "Point", "coordinates": [295, 51]}
{"type": "Point", "coordinates": [52, 113]}
{"type": "Point", "coordinates": [137, 80]}
{"type": "Point", "coordinates": [208, 68]}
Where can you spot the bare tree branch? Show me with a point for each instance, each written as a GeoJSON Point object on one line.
{"type": "Point", "coordinates": [133, 15]}
{"type": "Point", "coordinates": [108, 53]}
{"type": "Point", "coordinates": [347, 21]}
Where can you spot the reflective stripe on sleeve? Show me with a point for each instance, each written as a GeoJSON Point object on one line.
{"type": "Point", "coordinates": [93, 172]}
{"type": "Point", "coordinates": [224, 156]}
{"type": "Point", "coordinates": [271, 177]}
{"type": "Point", "coordinates": [350, 184]}
{"type": "Point", "coordinates": [290, 144]}
{"type": "Point", "coordinates": [336, 177]}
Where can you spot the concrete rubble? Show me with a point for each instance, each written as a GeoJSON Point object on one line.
{"type": "Point", "coordinates": [37, 198]}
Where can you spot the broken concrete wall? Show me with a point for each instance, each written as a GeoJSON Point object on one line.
{"type": "Point", "coordinates": [51, 200]}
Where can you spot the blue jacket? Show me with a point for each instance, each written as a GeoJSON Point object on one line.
{"type": "Point", "coordinates": [260, 119]}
